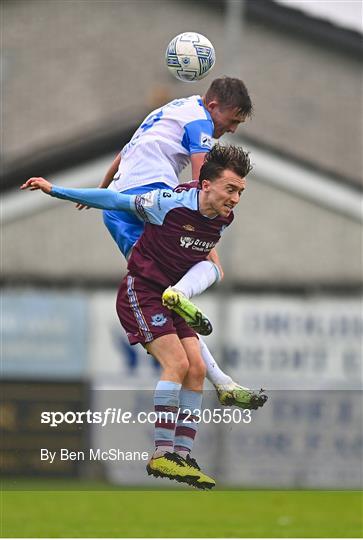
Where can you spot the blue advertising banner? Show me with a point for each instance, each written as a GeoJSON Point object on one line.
{"type": "Point", "coordinates": [44, 335]}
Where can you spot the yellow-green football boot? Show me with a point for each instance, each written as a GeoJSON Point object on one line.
{"type": "Point", "coordinates": [178, 302]}
{"type": "Point", "coordinates": [204, 481]}
{"type": "Point", "coordinates": [174, 467]}
{"type": "Point", "coordinates": [239, 396]}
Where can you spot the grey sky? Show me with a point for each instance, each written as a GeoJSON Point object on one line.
{"type": "Point", "coordinates": [347, 13]}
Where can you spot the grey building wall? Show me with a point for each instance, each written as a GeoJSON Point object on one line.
{"type": "Point", "coordinates": [276, 239]}
{"type": "Point", "coordinates": [73, 67]}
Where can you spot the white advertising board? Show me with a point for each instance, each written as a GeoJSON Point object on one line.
{"type": "Point", "coordinates": [305, 351]}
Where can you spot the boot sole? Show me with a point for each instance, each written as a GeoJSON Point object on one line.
{"type": "Point", "coordinates": [189, 480]}
{"type": "Point", "coordinates": [199, 322]}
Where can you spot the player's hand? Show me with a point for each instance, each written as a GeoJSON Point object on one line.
{"type": "Point", "coordinates": [80, 206]}
{"type": "Point", "coordinates": [37, 183]}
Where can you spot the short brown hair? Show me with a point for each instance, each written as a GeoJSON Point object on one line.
{"type": "Point", "coordinates": [221, 158]}
{"type": "Point", "coordinates": [230, 93]}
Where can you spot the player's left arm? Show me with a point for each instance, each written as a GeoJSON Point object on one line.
{"type": "Point", "coordinates": [196, 161]}
{"type": "Point", "coordinates": [197, 141]}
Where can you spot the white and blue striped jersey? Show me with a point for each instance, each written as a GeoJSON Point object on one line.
{"type": "Point", "coordinates": [163, 144]}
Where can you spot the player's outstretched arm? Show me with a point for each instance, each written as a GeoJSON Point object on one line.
{"type": "Point", "coordinates": [151, 206]}
{"type": "Point", "coordinates": [94, 197]}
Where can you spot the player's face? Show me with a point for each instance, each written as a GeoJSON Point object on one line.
{"type": "Point", "coordinates": [223, 194]}
{"type": "Point", "coordinates": [225, 120]}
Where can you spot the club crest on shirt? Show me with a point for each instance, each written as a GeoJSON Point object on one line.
{"type": "Point", "coordinates": [206, 140]}
{"type": "Point", "coordinates": [189, 228]}
{"type": "Point", "coordinates": [158, 320]}
{"type": "Point", "coordinates": [146, 199]}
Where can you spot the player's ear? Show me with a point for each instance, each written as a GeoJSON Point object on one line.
{"type": "Point", "coordinates": [212, 105]}
{"type": "Point", "coordinates": [205, 185]}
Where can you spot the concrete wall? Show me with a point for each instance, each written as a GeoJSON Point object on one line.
{"type": "Point", "coordinates": [71, 67]}
{"type": "Point", "coordinates": [276, 238]}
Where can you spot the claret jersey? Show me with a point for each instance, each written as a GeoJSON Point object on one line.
{"type": "Point", "coordinates": [176, 234]}
{"type": "Point", "coordinates": [162, 145]}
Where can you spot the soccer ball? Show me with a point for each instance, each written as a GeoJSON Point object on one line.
{"type": "Point", "coordinates": [190, 56]}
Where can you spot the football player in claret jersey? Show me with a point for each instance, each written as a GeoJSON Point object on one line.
{"type": "Point", "coordinates": [167, 140]}
{"type": "Point", "coordinates": [163, 252]}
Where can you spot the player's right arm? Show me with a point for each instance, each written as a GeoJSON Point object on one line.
{"type": "Point", "coordinates": [111, 172]}
{"type": "Point", "coordinates": [151, 206]}
{"type": "Point", "coordinates": [107, 179]}
{"type": "Point", "coordinates": [104, 199]}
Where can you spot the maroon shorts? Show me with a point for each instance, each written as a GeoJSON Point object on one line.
{"type": "Point", "coordinates": [142, 314]}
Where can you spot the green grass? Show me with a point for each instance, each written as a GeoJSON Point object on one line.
{"type": "Point", "coordinates": [180, 513]}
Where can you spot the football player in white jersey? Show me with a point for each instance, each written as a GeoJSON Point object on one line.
{"type": "Point", "coordinates": [170, 138]}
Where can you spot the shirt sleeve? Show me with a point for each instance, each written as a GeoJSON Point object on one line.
{"type": "Point", "coordinates": [151, 206]}
{"type": "Point", "coordinates": [105, 199]}
{"type": "Point", "coordinates": [198, 136]}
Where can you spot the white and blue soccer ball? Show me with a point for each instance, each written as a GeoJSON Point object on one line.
{"type": "Point", "coordinates": [190, 56]}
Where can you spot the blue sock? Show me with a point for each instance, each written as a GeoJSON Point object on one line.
{"type": "Point", "coordinates": [186, 430]}
{"type": "Point", "coordinates": [166, 402]}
